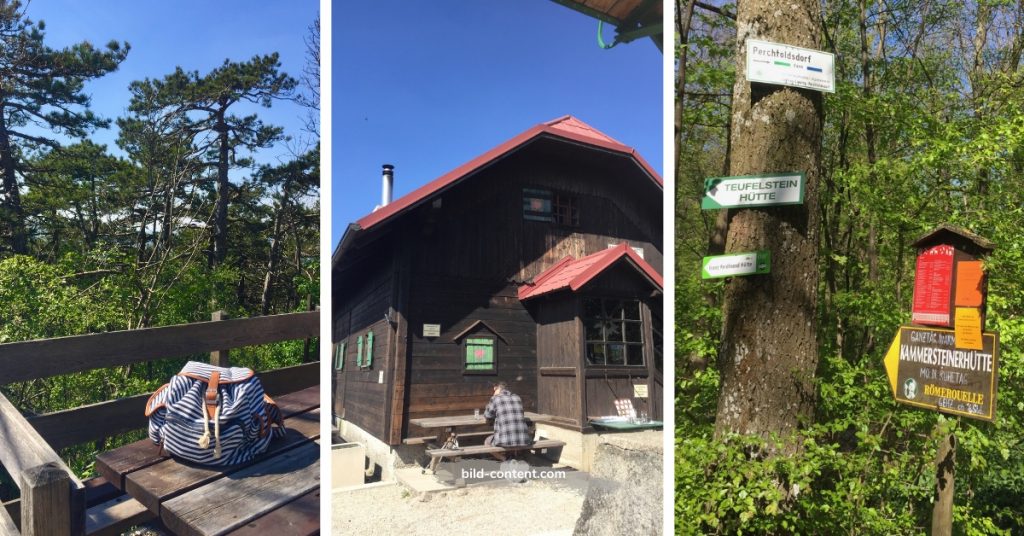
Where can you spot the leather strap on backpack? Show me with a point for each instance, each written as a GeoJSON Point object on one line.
{"type": "Point", "coordinates": [211, 391]}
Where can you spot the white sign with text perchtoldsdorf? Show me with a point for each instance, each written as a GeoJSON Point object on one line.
{"type": "Point", "coordinates": [786, 65]}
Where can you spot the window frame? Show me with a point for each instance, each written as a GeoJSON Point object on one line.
{"type": "Point", "coordinates": [605, 342]}
{"type": "Point", "coordinates": [562, 208]}
{"type": "Point", "coordinates": [464, 348]}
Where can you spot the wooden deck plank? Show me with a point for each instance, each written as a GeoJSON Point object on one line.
{"type": "Point", "coordinates": [300, 517]}
{"type": "Point", "coordinates": [159, 482]}
{"type": "Point", "coordinates": [98, 491]}
{"type": "Point", "coordinates": [114, 464]}
{"type": "Point", "coordinates": [254, 491]}
{"type": "Point", "coordinates": [115, 515]}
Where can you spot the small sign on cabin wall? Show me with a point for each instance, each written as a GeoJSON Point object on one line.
{"type": "Point", "coordinates": [431, 330]}
{"type": "Point", "coordinates": [639, 390]}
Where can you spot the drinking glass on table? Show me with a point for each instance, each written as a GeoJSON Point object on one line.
{"type": "Point", "coordinates": [476, 413]}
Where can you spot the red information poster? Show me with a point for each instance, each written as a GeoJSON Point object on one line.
{"type": "Point", "coordinates": [933, 283]}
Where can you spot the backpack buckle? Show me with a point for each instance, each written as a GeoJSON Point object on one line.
{"type": "Point", "coordinates": [212, 394]}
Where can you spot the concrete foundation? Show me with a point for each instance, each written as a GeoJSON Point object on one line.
{"type": "Point", "coordinates": [578, 451]}
{"type": "Point", "coordinates": [379, 455]}
{"type": "Point", "coordinates": [348, 465]}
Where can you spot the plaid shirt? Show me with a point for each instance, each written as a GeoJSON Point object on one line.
{"type": "Point", "coordinates": [510, 428]}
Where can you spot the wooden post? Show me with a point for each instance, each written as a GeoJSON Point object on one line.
{"type": "Point", "coordinates": [942, 512]}
{"type": "Point", "coordinates": [46, 506]}
{"type": "Point", "coordinates": [309, 340]}
{"type": "Point", "coordinates": [219, 358]}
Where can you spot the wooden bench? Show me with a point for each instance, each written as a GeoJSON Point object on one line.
{"type": "Point", "coordinates": [433, 439]}
{"type": "Point", "coordinates": [487, 449]}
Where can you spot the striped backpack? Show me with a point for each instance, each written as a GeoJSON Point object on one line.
{"type": "Point", "coordinates": [201, 397]}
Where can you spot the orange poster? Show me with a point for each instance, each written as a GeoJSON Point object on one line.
{"type": "Point", "coordinates": [969, 275]}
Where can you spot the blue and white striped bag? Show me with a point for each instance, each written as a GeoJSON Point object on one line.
{"type": "Point", "coordinates": [213, 415]}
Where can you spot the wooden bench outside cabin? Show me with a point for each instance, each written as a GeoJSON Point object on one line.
{"type": "Point", "coordinates": [541, 444]}
{"type": "Point", "coordinates": [426, 440]}
{"type": "Point", "coordinates": [53, 500]}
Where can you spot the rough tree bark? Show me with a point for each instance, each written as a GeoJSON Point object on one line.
{"type": "Point", "coordinates": [275, 249]}
{"type": "Point", "coordinates": [769, 345]}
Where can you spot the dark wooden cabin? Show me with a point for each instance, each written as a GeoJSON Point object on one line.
{"type": "Point", "coordinates": [537, 263]}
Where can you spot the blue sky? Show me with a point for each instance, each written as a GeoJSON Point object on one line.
{"type": "Point", "coordinates": [427, 86]}
{"type": "Point", "coordinates": [197, 35]}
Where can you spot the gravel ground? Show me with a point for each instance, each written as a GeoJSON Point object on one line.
{"type": "Point", "coordinates": [534, 508]}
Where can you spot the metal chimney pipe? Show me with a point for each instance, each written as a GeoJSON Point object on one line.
{"type": "Point", "coordinates": [387, 181]}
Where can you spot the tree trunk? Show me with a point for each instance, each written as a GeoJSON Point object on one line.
{"type": "Point", "coordinates": [769, 345]}
{"type": "Point", "coordinates": [10, 204]}
{"type": "Point", "coordinates": [275, 250]}
{"type": "Point", "coordinates": [220, 223]}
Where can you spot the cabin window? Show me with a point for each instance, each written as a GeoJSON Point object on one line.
{"type": "Point", "coordinates": [613, 332]}
{"type": "Point", "coordinates": [359, 351]}
{"type": "Point", "coordinates": [550, 206]}
{"type": "Point", "coordinates": [480, 354]}
{"type": "Point", "coordinates": [339, 355]}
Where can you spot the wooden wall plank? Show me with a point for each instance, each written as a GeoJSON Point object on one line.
{"type": "Point", "coordinates": [21, 361]}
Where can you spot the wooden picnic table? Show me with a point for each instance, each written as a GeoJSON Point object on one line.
{"type": "Point", "coordinates": [276, 493]}
{"type": "Point", "coordinates": [448, 441]}
{"type": "Point", "coordinates": [458, 421]}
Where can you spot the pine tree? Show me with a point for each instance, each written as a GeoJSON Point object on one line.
{"type": "Point", "coordinates": [41, 88]}
{"type": "Point", "coordinates": [203, 104]}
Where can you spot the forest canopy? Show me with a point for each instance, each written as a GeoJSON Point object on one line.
{"type": "Point", "coordinates": [926, 126]}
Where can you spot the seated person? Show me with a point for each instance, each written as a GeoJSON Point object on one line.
{"type": "Point", "coordinates": [511, 428]}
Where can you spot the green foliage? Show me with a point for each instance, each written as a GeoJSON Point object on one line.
{"type": "Point", "coordinates": [946, 120]}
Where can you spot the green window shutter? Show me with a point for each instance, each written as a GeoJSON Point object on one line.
{"type": "Point", "coordinates": [339, 356]}
{"type": "Point", "coordinates": [359, 351]}
{"type": "Point", "coordinates": [369, 349]}
{"type": "Point", "coordinates": [479, 354]}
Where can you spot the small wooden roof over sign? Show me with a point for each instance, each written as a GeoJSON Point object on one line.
{"type": "Point", "coordinates": [958, 237]}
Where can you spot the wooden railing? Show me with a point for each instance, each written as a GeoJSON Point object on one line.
{"type": "Point", "coordinates": [52, 497]}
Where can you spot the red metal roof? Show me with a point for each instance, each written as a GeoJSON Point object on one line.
{"type": "Point", "coordinates": [573, 274]}
{"type": "Point", "coordinates": [567, 127]}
